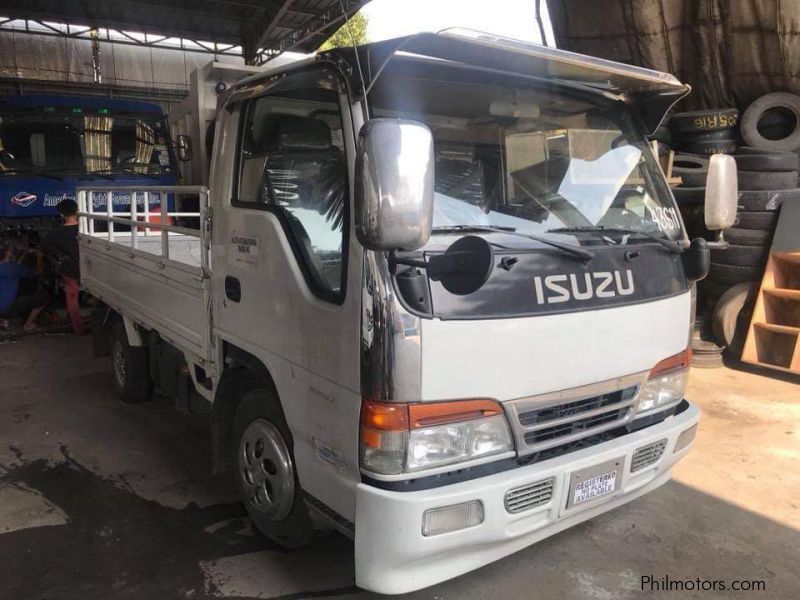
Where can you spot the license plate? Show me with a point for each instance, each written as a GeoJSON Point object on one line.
{"type": "Point", "coordinates": [595, 482]}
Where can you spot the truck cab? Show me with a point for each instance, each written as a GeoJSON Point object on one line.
{"type": "Point", "coordinates": [50, 145]}
{"type": "Point", "coordinates": [443, 299]}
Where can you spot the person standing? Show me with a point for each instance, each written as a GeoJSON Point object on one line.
{"type": "Point", "coordinates": [61, 245]}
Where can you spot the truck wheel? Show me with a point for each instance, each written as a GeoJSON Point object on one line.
{"type": "Point", "coordinates": [130, 367]}
{"type": "Point", "coordinates": [266, 475]}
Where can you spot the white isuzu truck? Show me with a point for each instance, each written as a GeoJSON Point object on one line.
{"type": "Point", "coordinates": [440, 298]}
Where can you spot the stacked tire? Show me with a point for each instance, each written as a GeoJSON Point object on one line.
{"type": "Point", "coordinates": [766, 178]}
{"type": "Point", "coordinates": [705, 132]}
{"type": "Point", "coordinates": [768, 167]}
{"type": "Point", "coordinates": [695, 136]}
{"type": "Point", "coordinates": [691, 192]}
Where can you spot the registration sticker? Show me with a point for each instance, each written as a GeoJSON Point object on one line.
{"type": "Point", "coordinates": [594, 483]}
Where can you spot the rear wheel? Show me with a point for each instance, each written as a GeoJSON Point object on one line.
{"type": "Point", "coordinates": [130, 367]}
{"type": "Point", "coordinates": [266, 473]}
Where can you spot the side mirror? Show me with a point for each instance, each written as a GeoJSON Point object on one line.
{"type": "Point", "coordinates": [184, 147]}
{"type": "Point", "coordinates": [696, 260]}
{"type": "Point", "coordinates": [722, 193]}
{"type": "Point", "coordinates": [394, 185]}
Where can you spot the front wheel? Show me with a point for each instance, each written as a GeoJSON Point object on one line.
{"type": "Point", "coordinates": [266, 473]}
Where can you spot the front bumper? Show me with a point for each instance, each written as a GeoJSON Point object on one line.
{"type": "Point", "coordinates": [393, 557]}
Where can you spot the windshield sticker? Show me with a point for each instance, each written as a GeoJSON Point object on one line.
{"type": "Point", "coordinates": [23, 199]}
{"type": "Point", "coordinates": [666, 218]}
{"type": "Point", "coordinates": [162, 155]}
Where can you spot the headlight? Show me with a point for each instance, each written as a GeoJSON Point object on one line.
{"type": "Point", "coordinates": [402, 438]}
{"type": "Point", "coordinates": [666, 384]}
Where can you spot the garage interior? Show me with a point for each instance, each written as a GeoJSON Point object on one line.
{"type": "Point", "coordinates": [100, 499]}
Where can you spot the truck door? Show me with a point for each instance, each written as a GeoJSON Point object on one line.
{"type": "Point", "coordinates": [287, 271]}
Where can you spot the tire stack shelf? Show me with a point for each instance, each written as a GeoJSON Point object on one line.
{"type": "Point", "coordinates": [773, 339]}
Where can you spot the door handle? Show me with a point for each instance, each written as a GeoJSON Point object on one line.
{"type": "Point", "coordinates": [233, 289]}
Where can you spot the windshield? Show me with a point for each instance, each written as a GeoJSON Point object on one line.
{"type": "Point", "coordinates": [61, 142]}
{"type": "Point", "coordinates": [533, 160]}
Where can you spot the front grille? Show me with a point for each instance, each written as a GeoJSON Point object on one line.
{"type": "Point", "coordinates": [553, 424]}
{"type": "Point", "coordinates": [529, 496]}
{"type": "Point", "coordinates": [647, 455]}
{"type": "Point", "coordinates": [571, 408]}
{"type": "Point", "coordinates": [575, 426]}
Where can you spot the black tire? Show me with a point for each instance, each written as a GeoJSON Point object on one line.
{"type": "Point", "coordinates": [767, 180]}
{"type": "Point", "coordinates": [695, 137]}
{"type": "Point", "coordinates": [707, 148]}
{"type": "Point", "coordinates": [130, 367]}
{"type": "Point", "coordinates": [693, 170]}
{"type": "Point", "coordinates": [764, 200]}
{"type": "Point", "coordinates": [757, 220]}
{"type": "Point", "coordinates": [733, 274]}
{"type": "Point", "coordinates": [753, 159]}
{"type": "Point", "coordinates": [728, 312]}
{"type": "Point", "coordinates": [708, 289]}
{"type": "Point", "coordinates": [689, 196]}
{"type": "Point", "coordinates": [101, 345]}
{"type": "Point", "coordinates": [283, 516]}
{"type": "Point", "coordinates": [760, 109]}
{"type": "Point", "coordinates": [748, 237]}
{"type": "Point", "coordinates": [740, 256]}
{"type": "Point", "coordinates": [704, 120]}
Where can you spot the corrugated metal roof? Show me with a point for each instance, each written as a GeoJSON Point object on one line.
{"type": "Point", "coordinates": [272, 25]}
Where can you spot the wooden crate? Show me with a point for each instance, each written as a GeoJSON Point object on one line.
{"type": "Point", "coordinates": [773, 339]}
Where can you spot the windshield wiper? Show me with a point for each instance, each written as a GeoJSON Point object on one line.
{"type": "Point", "coordinates": [664, 241]}
{"type": "Point", "coordinates": [571, 249]}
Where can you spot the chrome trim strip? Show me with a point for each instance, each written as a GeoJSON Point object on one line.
{"type": "Point", "coordinates": [391, 353]}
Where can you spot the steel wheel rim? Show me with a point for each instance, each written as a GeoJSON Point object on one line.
{"type": "Point", "coordinates": [266, 471]}
{"type": "Point", "coordinates": [120, 365]}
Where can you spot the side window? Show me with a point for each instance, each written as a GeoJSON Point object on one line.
{"type": "Point", "coordinates": [292, 163]}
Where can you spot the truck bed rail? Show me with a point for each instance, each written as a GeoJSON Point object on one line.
{"type": "Point", "coordinates": [151, 264]}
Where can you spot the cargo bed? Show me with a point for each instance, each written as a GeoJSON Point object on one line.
{"type": "Point", "coordinates": [153, 271]}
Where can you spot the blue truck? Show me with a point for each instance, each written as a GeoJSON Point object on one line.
{"type": "Point", "coordinates": [50, 145]}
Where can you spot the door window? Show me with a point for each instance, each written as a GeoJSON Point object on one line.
{"type": "Point", "coordinates": [292, 163]}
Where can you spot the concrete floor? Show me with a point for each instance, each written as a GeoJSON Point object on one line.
{"type": "Point", "coordinates": [101, 500]}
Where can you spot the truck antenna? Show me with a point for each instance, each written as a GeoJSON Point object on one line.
{"type": "Point", "coordinates": [355, 52]}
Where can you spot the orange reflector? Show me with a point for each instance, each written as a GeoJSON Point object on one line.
{"type": "Point", "coordinates": [441, 413]}
{"type": "Point", "coordinates": [673, 363]}
{"type": "Point", "coordinates": [402, 417]}
{"type": "Point", "coordinates": [388, 417]}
